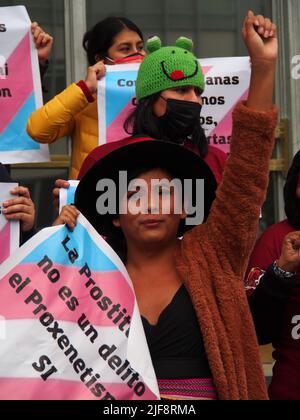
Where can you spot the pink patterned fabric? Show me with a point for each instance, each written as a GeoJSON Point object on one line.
{"type": "Point", "coordinates": [187, 389]}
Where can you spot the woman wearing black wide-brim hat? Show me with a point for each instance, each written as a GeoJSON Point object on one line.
{"type": "Point", "coordinates": [190, 292]}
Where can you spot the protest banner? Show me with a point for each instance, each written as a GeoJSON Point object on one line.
{"type": "Point", "coordinates": [66, 196]}
{"type": "Point", "coordinates": [9, 231]}
{"type": "Point", "coordinates": [20, 88]}
{"type": "Point", "coordinates": [72, 326]}
{"type": "Point", "coordinates": [227, 82]}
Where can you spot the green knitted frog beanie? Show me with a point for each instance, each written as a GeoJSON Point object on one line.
{"type": "Point", "coordinates": [168, 67]}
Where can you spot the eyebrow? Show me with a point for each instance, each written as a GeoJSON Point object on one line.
{"type": "Point", "coordinates": [125, 44]}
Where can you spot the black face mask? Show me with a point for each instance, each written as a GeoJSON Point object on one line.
{"type": "Point", "coordinates": [180, 119]}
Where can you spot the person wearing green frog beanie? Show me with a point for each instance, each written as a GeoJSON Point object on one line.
{"type": "Point", "coordinates": [168, 89]}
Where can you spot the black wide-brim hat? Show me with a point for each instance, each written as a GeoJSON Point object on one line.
{"type": "Point", "coordinates": [141, 155]}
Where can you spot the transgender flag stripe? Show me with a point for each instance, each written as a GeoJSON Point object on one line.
{"type": "Point", "coordinates": [61, 390]}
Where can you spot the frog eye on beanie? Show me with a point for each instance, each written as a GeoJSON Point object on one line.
{"type": "Point", "coordinates": [168, 67]}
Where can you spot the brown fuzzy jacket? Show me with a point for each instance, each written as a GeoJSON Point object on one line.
{"type": "Point", "coordinates": [212, 259]}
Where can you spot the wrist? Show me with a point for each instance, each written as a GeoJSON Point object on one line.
{"type": "Point", "coordinates": [283, 269]}
{"type": "Point", "coordinates": [263, 67]}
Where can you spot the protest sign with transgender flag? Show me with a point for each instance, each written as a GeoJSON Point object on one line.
{"type": "Point", "coordinates": [20, 88]}
{"type": "Point", "coordinates": [227, 82]}
{"type": "Point", "coordinates": [72, 326]}
{"type": "Point", "coordinates": [67, 196]}
{"type": "Point", "coordinates": [9, 231]}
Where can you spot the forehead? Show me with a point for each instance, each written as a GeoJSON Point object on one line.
{"type": "Point", "coordinates": [127, 37]}
{"type": "Point", "coordinates": [156, 173]}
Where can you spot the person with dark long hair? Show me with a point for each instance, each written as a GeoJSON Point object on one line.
{"type": "Point", "coordinates": [73, 112]}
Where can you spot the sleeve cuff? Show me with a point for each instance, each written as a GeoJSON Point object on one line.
{"type": "Point", "coordinates": [86, 91]}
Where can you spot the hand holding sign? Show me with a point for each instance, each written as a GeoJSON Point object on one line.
{"type": "Point", "coordinates": [68, 216]}
{"type": "Point", "coordinates": [94, 74]}
{"type": "Point", "coordinates": [59, 183]}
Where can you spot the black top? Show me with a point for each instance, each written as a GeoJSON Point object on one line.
{"type": "Point", "coordinates": [176, 343]}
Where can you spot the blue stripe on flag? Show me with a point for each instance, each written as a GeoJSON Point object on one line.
{"type": "Point", "coordinates": [71, 195]}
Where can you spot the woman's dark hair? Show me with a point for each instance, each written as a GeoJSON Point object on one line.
{"type": "Point", "coordinates": [292, 202]}
{"type": "Point", "coordinates": [100, 38]}
{"type": "Point", "coordinates": [143, 121]}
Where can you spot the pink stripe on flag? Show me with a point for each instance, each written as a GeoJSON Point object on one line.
{"type": "Point", "coordinates": [5, 242]}
{"type": "Point", "coordinates": [37, 389]}
{"type": "Point", "coordinates": [107, 284]}
{"type": "Point", "coordinates": [19, 82]}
